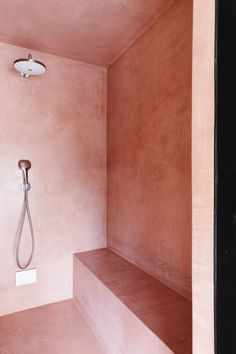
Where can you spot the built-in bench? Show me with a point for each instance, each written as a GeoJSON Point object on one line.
{"type": "Point", "coordinates": [129, 310]}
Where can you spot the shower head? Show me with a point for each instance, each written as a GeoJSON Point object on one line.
{"type": "Point", "coordinates": [29, 66]}
{"type": "Point", "coordinates": [24, 165]}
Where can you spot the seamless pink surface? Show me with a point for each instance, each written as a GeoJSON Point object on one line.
{"type": "Point", "coordinates": [203, 176]}
{"type": "Point", "coordinates": [149, 150]}
{"type": "Point", "coordinates": [58, 121]}
{"type": "Point", "coordinates": [160, 316]}
{"type": "Point", "coordinates": [93, 31]}
{"type": "Point", "coordinates": [52, 329]}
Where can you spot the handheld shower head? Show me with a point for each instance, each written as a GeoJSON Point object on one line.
{"type": "Point", "coordinates": [24, 165]}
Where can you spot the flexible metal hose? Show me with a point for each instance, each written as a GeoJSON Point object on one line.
{"type": "Point", "coordinates": [25, 210]}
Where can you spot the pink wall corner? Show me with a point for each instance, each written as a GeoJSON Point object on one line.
{"type": "Point", "coordinates": [149, 149]}
{"type": "Point", "coordinates": [203, 175]}
{"type": "Point", "coordinates": [58, 121]}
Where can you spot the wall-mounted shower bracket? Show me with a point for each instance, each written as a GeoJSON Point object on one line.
{"type": "Point", "coordinates": [25, 187]}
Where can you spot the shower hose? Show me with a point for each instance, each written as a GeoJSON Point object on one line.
{"type": "Point", "coordinates": [25, 211]}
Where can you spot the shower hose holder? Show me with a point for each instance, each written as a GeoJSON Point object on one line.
{"type": "Point", "coordinates": [25, 187]}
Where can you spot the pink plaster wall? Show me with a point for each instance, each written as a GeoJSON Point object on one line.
{"type": "Point", "coordinates": [58, 121]}
{"type": "Point", "coordinates": [203, 176]}
{"type": "Point", "coordinates": [149, 150]}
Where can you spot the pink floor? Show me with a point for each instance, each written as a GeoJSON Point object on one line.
{"type": "Point", "coordinates": [57, 328]}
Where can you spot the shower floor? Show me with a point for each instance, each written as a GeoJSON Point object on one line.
{"type": "Point", "coordinates": [58, 328]}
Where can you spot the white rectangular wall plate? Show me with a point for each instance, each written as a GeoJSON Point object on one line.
{"type": "Point", "coordinates": [23, 277]}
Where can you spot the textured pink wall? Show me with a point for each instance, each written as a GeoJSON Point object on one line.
{"type": "Point", "coordinates": [149, 150]}
{"type": "Point", "coordinates": [58, 121]}
{"type": "Point", "coordinates": [203, 176]}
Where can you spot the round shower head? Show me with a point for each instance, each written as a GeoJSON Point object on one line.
{"type": "Point", "coordinates": [29, 66]}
